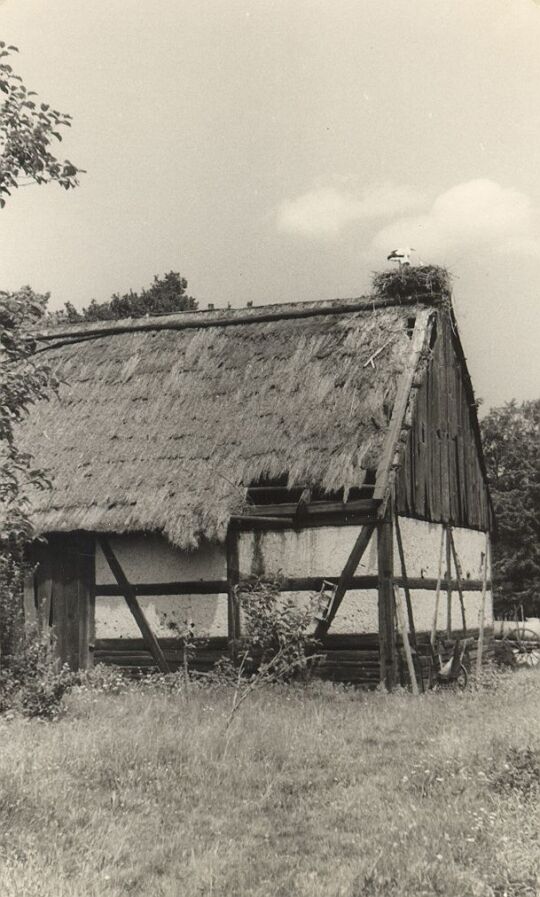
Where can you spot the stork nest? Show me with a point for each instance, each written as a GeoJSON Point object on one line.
{"type": "Point", "coordinates": [410, 280]}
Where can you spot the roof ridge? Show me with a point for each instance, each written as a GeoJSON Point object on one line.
{"type": "Point", "coordinates": [204, 318]}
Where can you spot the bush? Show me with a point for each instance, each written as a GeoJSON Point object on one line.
{"type": "Point", "coordinates": [276, 645]}
{"type": "Point", "coordinates": [34, 684]}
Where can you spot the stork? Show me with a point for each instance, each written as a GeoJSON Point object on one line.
{"type": "Point", "coordinates": [401, 256]}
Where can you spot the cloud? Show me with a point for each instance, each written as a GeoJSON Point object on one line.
{"type": "Point", "coordinates": [478, 214]}
{"type": "Point", "coordinates": [322, 213]}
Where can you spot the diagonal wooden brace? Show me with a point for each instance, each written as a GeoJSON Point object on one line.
{"type": "Point", "coordinates": [128, 591]}
{"type": "Point", "coordinates": [344, 580]}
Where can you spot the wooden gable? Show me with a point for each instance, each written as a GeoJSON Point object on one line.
{"type": "Point", "coordinates": [441, 477]}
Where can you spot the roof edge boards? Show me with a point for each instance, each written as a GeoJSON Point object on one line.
{"type": "Point", "coordinates": [390, 459]}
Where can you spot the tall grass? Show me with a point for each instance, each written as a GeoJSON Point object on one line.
{"type": "Point", "coordinates": [312, 793]}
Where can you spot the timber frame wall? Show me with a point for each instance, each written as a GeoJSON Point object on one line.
{"type": "Point", "coordinates": [64, 592]}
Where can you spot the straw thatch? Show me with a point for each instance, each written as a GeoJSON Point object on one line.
{"type": "Point", "coordinates": [158, 429]}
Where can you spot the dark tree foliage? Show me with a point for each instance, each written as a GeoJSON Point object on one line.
{"type": "Point", "coordinates": [512, 449]}
{"type": "Point", "coordinates": [166, 295]}
{"type": "Point", "coordinates": [23, 380]}
{"type": "Point", "coordinates": [28, 130]}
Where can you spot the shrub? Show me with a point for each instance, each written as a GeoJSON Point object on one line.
{"type": "Point", "coordinates": [276, 645]}
{"type": "Point", "coordinates": [34, 684]}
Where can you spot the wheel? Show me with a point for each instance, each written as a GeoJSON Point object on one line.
{"type": "Point", "coordinates": [462, 677]}
{"type": "Point", "coordinates": [524, 646]}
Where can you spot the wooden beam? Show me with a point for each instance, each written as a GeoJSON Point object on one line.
{"type": "Point", "coordinates": [313, 509]}
{"type": "Point", "coordinates": [288, 584]}
{"type": "Point", "coordinates": [437, 591]}
{"type": "Point", "coordinates": [128, 592]}
{"type": "Point", "coordinates": [387, 638]}
{"type": "Point", "coordinates": [233, 578]}
{"type": "Point", "coordinates": [185, 587]}
{"type": "Point", "coordinates": [250, 524]}
{"type": "Point", "coordinates": [405, 580]}
{"type": "Point", "coordinates": [459, 577]}
{"type": "Point", "coordinates": [406, 642]}
{"type": "Point", "coordinates": [224, 318]}
{"type": "Point", "coordinates": [344, 581]}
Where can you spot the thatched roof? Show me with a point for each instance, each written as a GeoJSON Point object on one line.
{"type": "Point", "coordinates": [160, 424]}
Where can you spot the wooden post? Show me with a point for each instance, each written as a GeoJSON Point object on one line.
{"type": "Point", "coordinates": [481, 621]}
{"type": "Point", "coordinates": [347, 573]}
{"type": "Point", "coordinates": [437, 591]}
{"type": "Point", "coordinates": [459, 577]}
{"type": "Point", "coordinates": [406, 588]}
{"type": "Point", "coordinates": [406, 642]}
{"type": "Point", "coordinates": [150, 640]}
{"type": "Point", "coordinates": [448, 583]}
{"type": "Point", "coordinates": [387, 639]}
{"type": "Point", "coordinates": [233, 578]}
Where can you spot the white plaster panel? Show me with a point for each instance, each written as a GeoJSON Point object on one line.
{"type": "Point", "coordinates": [423, 604]}
{"type": "Point", "coordinates": [322, 551]}
{"type": "Point", "coordinates": [358, 612]}
{"type": "Point", "coordinates": [151, 558]}
{"type": "Point", "coordinates": [421, 546]}
{"type": "Point", "coordinates": [208, 613]}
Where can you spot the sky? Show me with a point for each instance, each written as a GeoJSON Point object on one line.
{"type": "Point", "coordinates": [271, 151]}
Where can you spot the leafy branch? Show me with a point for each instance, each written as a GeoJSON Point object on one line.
{"type": "Point", "coordinates": [28, 131]}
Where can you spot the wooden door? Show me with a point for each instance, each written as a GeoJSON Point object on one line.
{"type": "Point", "coordinates": [64, 595]}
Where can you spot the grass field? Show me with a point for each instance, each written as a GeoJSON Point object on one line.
{"type": "Point", "coordinates": [314, 793]}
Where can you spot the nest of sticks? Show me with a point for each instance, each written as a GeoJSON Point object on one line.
{"type": "Point", "coordinates": [411, 280]}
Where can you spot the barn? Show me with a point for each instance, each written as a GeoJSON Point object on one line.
{"type": "Point", "coordinates": [334, 444]}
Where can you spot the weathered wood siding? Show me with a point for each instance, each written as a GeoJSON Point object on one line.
{"type": "Point", "coordinates": [441, 477]}
{"type": "Point", "coordinates": [62, 593]}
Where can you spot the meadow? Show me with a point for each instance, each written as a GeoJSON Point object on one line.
{"type": "Point", "coordinates": [313, 792]}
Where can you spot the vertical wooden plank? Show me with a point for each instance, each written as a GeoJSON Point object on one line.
{"type": "Point", "coordinates": [58, 609]}
{"type": "Point", "coordinates": [65, 597]}
{"type": "Point", "coordinates": [435, 434]}
{"type": "Point", "coordinates": [71, 588]}
{"type": "Point", "coordinates": [444, 421]}
{"type": "Point", "coordinates": [87, 591]}
{"type": "Point", "coordinates": [29, 598]}
{"type": "Point", "coordinates": [429, 444]}
{"type": "Point", "coordinates": [452, 429]}
{"type": "Point", "coordinates": [482, 617]}
{"type": "Point", "coordinates": [448, 583]}
{"type": "Point", "coordinates": [387, 639]}
{"type": "Point", "coordinates": [43, 576]}
{"type": "Point", "coordinates": [233, 578]}
{"type": "Point", "coordinates": [421, 452]}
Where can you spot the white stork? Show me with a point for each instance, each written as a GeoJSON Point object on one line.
{"type": "Point", "coordinates": [401, 256]}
